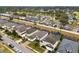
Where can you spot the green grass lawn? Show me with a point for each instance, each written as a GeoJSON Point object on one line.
{"type": "Point", "coordinates": [74, 24]}
{"type": "Point", "coordinates": [4, 48]}
{"type": "Point", "coordinates": [13, 36]}
{"type": "Point", "coordinates": [37, 48]}
{"type": "Point", "coordinates": [15, 20]}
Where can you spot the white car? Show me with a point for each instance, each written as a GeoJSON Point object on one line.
{"type": "Point", "coordinates": [17, 50]}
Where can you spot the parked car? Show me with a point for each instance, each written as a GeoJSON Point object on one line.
{"type": "Point", "coordinates": [10, 45]}
{"type": "Point", "coordinates": [54, 25]}
{"type": "Point", "coordinates": [17, 50]}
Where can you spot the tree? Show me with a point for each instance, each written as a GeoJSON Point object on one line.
{"type": "Point", "coordinates": [37, 42]}
{"type": "Point", "coordinates": [7, 32]}
{"type": "Point", "coordinates": [61, 38]}
{"type": "Point", "coordinates": [62, 17]}
{"type": "Point", "coordinates": [0, 37]}
{"type": "Point", "coordinates": [63, 21]}
{"type": "Point", "coordinates": [11, 18]}
{"type": "Point", "coordinates": [43, 46]}
{"type": "Point", "coordinates": [35, 23]}
{"type": "Point", "coordinates": [15, 34]}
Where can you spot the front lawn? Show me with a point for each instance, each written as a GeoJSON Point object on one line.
{"type": "Point", "coordinates": [36, 47]}
{"type": "Point", "coordinates": [13, 35]}
{"type": "Point", "coordinates": [4, 48]}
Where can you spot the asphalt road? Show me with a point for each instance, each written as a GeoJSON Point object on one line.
{"type": "Point", "coordinates": [8, 40]}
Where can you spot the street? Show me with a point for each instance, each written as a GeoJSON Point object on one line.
{"type": "Point", "coordinates": [8, 40]}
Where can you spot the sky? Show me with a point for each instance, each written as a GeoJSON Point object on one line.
{"type": "Point", "coordinates": [39, 3]}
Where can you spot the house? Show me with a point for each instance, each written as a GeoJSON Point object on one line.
{"type": "Point", "coordinates": [39, 34]}
{"type": "Point", "coordinates": [21, 29]}
{"type": "Point", "coordinates": [48, 46]}
{"type": "Point", "coordinates": [32, 19]}
{"type": "Point", "coordinates": [50, 41]}
{"type": "Point", "coordinates": [67, 27]}
{"type": "Point", "coordinates": [52, 38]}
{"type": "Point", "coordinates": [76, 29]}
{"type": "Point", "coordinates": [68, 46]}
{"type": "Point", "coordinates": [5, 14]}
